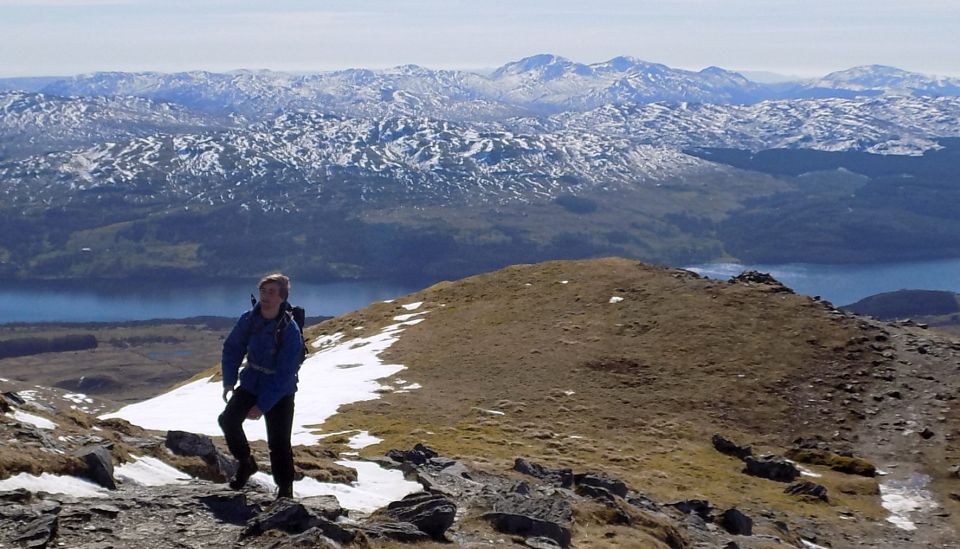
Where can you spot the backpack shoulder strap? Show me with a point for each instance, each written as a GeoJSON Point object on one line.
{"type": "Point", "coordinates": [286, 317]}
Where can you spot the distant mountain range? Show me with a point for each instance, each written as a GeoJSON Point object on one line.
{"type": "Point", "coordinates": [115, 149]}
{"type": "Point", "coordinates": [540, 84]}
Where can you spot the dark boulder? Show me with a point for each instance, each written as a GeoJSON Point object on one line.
{"type": "Point", "coordinates": [99, 465]}
{"type": "Point", "coordinates": [771, 467]}
{"type": "Point", "coordinates": [728, 447]}
{"type": "Point", "coordinates": [418, 456]}
{"type": "Point", "coordinates": [558, 477]}
{"type": "Point", "coordinates": [14, 398]}
{"type": "Point", "coordinates": [182, 443]}
{"type": "Point", "coordinates": [430, 513]}
{"type": "Point", "coordinates": [595, 492]}
{"type": "Point", "coordinates": [736, 523]}
{"type": "Point", "coordinates": [526, 526]}
{"type": "Point", "coordinates": [699, 507]}
{"type": "Point", "coordinates": [600, 480]}
{"type": "Point", "coordinates": [807, 488]}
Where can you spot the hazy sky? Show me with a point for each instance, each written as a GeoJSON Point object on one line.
{"type": "Point", "coordinates": [802, 37]}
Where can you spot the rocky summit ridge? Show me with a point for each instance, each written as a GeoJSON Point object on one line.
{"type": "Point", "coordinates": [602, 403]}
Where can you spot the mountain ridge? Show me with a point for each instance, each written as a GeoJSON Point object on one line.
{"type": "Point", "coordinates": [537, 84]}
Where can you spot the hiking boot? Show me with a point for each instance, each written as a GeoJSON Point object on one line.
{"type": "Point", "coordinates": [246, 469]}
{"type": "Point", "coordinates": [285, 491]}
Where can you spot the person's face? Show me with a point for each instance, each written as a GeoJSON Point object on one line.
{"type": "Point", "coordinates": [270, 295]}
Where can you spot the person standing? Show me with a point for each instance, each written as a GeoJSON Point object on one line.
{"type": "Point", "coordinates": [270, 339]}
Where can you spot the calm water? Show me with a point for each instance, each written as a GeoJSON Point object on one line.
{"type": "Point", "coordinates": [22, 303]}
{"type": "Point", "coordinates": [841, 284]}
{"type": "Point", "coordinates": [845, 284]}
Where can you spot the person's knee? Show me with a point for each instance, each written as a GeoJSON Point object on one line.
{"type": "Point", "coordinates": [226, 421]}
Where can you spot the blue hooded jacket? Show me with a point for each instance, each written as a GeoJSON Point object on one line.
{"type": "Point", "coordinates": [269, 375]}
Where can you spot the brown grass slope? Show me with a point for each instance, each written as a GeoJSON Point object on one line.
{"type": "Point", "coordinates": [634, 388]}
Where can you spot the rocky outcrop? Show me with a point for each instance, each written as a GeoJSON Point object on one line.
{"type": "Point", "coordinates": [771, 467]}
{"type": "Point", "coordinates": [736, 523]}
{"type": "Point", "coordinates": [730, 448]}
{"type": "Point", "coordinates": [756, 277]}
{"type": "Point", "coordinates": [599, 485]}
{"type": "Point", "coordinates": [418, 456]}
{"type": "Point", "coordinates": [432, 514]}
{"type": "Point", "coordinates": [294, 518]}
{"type": "Point", "coordinates": [530, 527]}
{"type": "Point", "coordinates": [558, 477]}
{"type": "Point", "coordinates": [807, 489]}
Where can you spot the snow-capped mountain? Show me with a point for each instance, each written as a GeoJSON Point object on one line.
{"type": "Point", "coordinates": [537, 85]}
{"type": "Point", "coordinates": [880, 79]}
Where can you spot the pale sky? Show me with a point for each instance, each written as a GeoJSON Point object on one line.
{"type": "Point", "coordinates": [799, 37]}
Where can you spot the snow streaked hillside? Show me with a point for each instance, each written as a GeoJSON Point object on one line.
{"type": "Point", "coordinates": [311, 154]}
{"type": "Point", "coordinates": [887, 125]}
{"type": "Point", "coordinates": [36, 122]}
{"type": "Point", "coordinates": [430, 161]}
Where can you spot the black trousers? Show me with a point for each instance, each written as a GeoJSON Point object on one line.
{"type": "Point", "coordinates": [279, 428]}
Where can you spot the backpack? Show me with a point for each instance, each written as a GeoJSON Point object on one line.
{"type": "Point", "coordinates": [292, 314]}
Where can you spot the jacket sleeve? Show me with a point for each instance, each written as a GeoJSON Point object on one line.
{"type": "Point", "coordinates": [287, 366]}
{"type": "Point", "coordinates": [234, 349]}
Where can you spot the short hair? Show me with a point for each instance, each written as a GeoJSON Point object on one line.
{"type": "Point", "coordinates": [279, 278]}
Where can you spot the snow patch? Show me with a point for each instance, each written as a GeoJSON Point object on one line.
{"type": "Point", "coordinates": [36, 421]}
{"type": "Point", "coordinates": [492, 412]}
{"type": "Point", "coordinates": [904, 497]}
{"type": "Point", "coordinates": [615, 299]}
{"type": "Point", "coordinates": [148, 471]}
{"type": "Point", "coordinates": [363, 439]}
{"type": "Point", "coordinates": [53, 484]}
{"type": "Point", "coordinates": [78, 398]}
{"type": "Point", "coordinates": [404, 318]}
{"type": "Point", "coordinates": [324, 386]}
{"type": "Point", "coordinates": [413, 306]}
{"type": "Point", "coordinates": [326, 341]}
{"type": "Point", "coordinates": [375, 487]}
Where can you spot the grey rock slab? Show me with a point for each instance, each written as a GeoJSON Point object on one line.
{"type": "Point", "coordinates": [430, 513]}
{"type": "Point", "coordinates": [527, 526]}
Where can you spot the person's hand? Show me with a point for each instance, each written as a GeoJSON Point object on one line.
{"type": "Point", "coordinates": [254, 413]}
{"type": "Point", "coordinates": [227, 391]}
